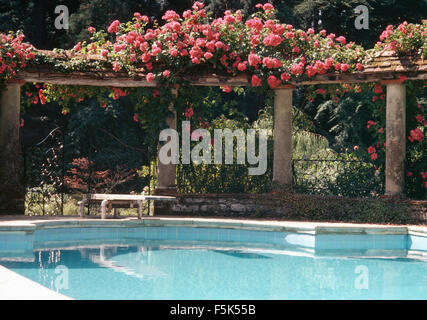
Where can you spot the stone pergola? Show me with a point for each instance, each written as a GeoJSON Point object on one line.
{"type": "Point", "coordinates": [385, 68]}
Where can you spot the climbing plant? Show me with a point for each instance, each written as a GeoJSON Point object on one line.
{"type": "Point", "coordinates": [270, 52]}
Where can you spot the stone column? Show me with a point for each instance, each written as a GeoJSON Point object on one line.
{"type": "Point", "coordinates": [12, 192]}
{"type": "Point", "coordinates": [166, 173]}
{"type": "Point", "coordinates": [395, 138]}
{"type": "Point", "coordinates": [282, 136]}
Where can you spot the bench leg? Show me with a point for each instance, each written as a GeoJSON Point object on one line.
{"type": "Point", "coordinates": [116, 212]}
{"type": "Point", "coordinates": [82, 208]}
{"type": "Point", "coordinates": [139, 209]}
{"type": "Point", "coordinates": [103, 208]}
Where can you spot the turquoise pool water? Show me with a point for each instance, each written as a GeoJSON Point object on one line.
{"type": "Point", "coordinates": [203, 263]}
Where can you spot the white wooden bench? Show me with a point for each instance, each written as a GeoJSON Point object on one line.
{"type": "Point", "coordinates": [119, 200]}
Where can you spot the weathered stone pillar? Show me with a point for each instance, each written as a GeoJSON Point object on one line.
{"type": "Point", "coordinates": [395, 138]}
{"type": "Point", "coordinates": [166, 173]}
{"type": "Point", "coordinates": [12, 192]}
{"type": "Point", "coordinates": [282, 136]}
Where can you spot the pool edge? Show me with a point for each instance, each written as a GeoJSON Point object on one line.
{"type": "Point", "coordinates": [16, 287]}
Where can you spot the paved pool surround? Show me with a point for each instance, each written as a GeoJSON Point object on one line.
{"type": "Point", "coordinates": [19, 238]}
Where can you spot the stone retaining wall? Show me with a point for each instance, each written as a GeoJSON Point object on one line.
{"type": "Point", "coordinates": [296, 207]}
{"type": "Point", "coordinates": [419, 209]}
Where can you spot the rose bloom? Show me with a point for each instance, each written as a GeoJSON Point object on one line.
{"type": "Point", "coordinates": [416, 135]}
{"type": "Point", "coordinates": [268, 7]}
{"type": "Point", "coordinates": [419, 118]}
{"type": "Point", "coordinates": [189, 112]}
{"type": "Point", "coordinates": [114, 27]}
{"type": "Point", "coordinates": [374, 156]}
{"type": "Point", "coordinates": [255, 81]}
{"type": "Point", "coordinates": [170, 15]}
{"type": "Point", "coordinates": [285, 76]}
{"type": "Point", "coordinates": [268, 62]}
{"type": "Point", "coordinates": [345, 67]}
{"type": "Point", "coordinates": [173, 52]}
{"type": "Point", "coordinates": [371, 149]}
{"type": "Point", "coordinates": [378, 89]}
{"type": "Point", "coordinates": [341, 39]}
{"type": "Point", "coordinates": [150, 77]}
{"type": "Point", "coordinates": [242, 66]}
{"type": "Point", "coordinates": [254, 60]}
{"type": "Point", "coordinates": [78, 46]}
{"type": "Point", "coordinates": [273, 81]}
{"type": "Point", "coordinates": [226, 89]}
{"type": "Point", "coordinates": [116, 66]}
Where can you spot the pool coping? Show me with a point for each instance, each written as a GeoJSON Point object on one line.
{"type": "Point", "coordinates": [14, 286]}
{"type": "Point", "coordinates": [264, 225]}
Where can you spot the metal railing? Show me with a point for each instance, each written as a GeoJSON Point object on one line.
{"type": "Point", "coordinates": [339, 176]}
{"type": "Point", "coordinates": [44, 174]}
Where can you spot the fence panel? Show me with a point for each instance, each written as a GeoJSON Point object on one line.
{"type": "Point", "coordinates": [340, 176]}
{"type": "Point", "coordinates": [44, 175]}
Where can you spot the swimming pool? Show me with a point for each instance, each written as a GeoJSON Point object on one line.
{"type": "Point", "coordinates": [202, 259]}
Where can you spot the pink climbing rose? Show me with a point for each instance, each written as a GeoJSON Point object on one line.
{"type": "Point", "coordinates": [189, 112]}
{"type": "Point", "coordinates": [273, 82]}
{"type": "Point", "coordinates": [114, 27]}
{"type": "Point", "coordinates": [416, 135]}
{"type": "Point", "coordinates": [255, 81]}
{"type": "Point", "coordinates": [150, 77]}
{"type": "Point", "coordinates": [371, 150]}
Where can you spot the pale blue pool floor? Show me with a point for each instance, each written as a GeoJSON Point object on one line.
{"type": "Point", "coordinates": [104, 261]}
{"type": "Point", "coordinates": [177, 270]}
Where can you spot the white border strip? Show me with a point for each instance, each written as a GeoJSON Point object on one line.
{"type": "Point", "coordinates": [13, 286]}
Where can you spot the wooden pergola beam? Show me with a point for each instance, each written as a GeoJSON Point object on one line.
{"type": "Point", "coordinates": [122, 79]}
{"type": "Point", "coordinates": [383, 65]}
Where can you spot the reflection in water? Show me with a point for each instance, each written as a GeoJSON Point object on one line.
{"type": "Point", "coordinates": [179, 270]}
{"type": "Point", "coordinates": [242, 254]}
